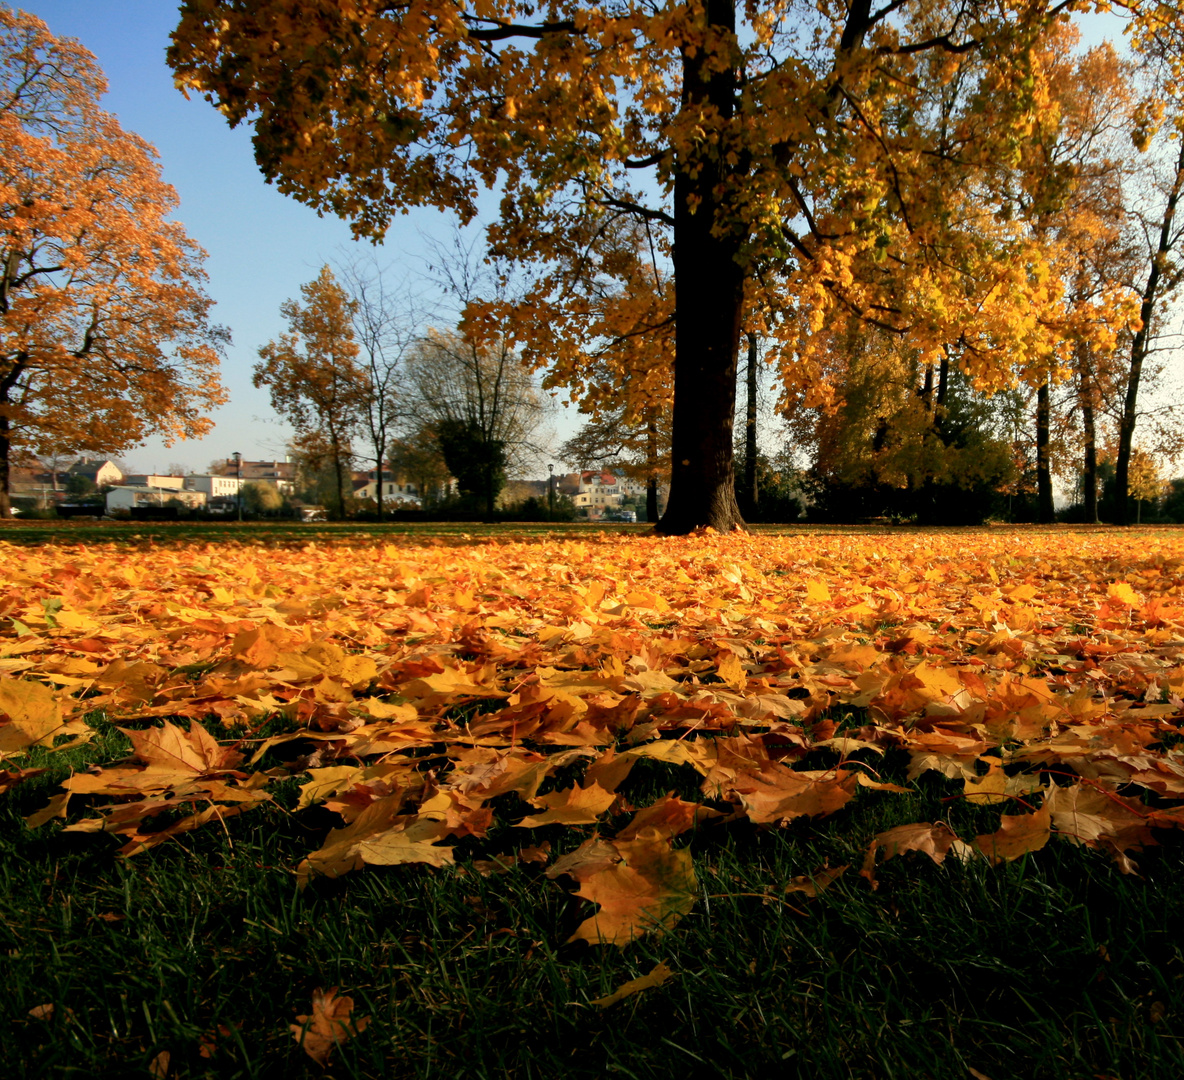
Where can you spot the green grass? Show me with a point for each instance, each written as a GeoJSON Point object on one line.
{"type": "Point", "coordinates": [34, 532]}
{"type": "Point", "coordinates": [289, 532]}
{"type": "Point", "coordinates": [1055, 966]}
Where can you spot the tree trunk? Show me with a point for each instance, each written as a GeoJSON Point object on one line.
{"type": "Point", "coordinates": [335, 444]}
{"type": "Point", "coordinates": [751, 491]}
{"type": "Point", "coordinates": [15, 368]}
{"type": "Point", "coordinates": [379, 453]}
{"type": "Point", "coordinates": [1089, 475]}
{"type": "Point", "coordinates": [5, 470]}
{"type": "Point", "coordinates": [1044, 506]}
{"type": "Point", "coordinates": [709, 297]}
{"type": "Point", "coordinates": [651, 480]}
{"type": "Point", "coordinates": [939, 402]}
{"type": "Point", "coordinates": [1126, 426]}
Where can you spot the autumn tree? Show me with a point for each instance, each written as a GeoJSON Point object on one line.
{"type": "Point", "coordinates": [313, 375]}
{"type": "Point", "coordinates": [610, 349]}
{"type": "Point", "coordinates": [104, 329]}
{"type": "Point", "coordinates": [1072, 187]}
{"type": "Point", "coordinates": [780, 142]}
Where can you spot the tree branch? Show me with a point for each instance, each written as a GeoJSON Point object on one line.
{"type": "Point", "coordinates": [643, 212]}
{"type": "Point", "coordinates": [503, 31]}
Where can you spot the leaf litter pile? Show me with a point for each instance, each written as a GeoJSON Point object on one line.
{"type": "Point", "coordinates": [422, 681]}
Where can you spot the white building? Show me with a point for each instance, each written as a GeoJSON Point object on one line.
{"type": "Point", "coordinates": [153, 480]}
{"type": "Point", "coordinates": [217, 487]}
{"type": "Point", "coordinates": [395, 489]}
{"type": "Point", "coordinates": [128, 497]}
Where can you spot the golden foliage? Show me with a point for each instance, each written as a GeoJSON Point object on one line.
{"type": "Point", "coordinates": [1043, 685]}
{"type": "Point", "coordinates": [103, 321]}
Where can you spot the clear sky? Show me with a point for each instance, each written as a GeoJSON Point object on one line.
{"type": "Point", "coordinates": [262, 245]}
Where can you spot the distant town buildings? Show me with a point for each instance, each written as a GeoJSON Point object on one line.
{"type": "Point", "coordinates": [597, 494]}
{"type": "Point", "coordinates": [396, 489]}
{"type": "Point", "coordinates": [280, 473]}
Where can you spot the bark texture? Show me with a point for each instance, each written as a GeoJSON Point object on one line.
{"type": "Point", "coordinates": [708, 309]}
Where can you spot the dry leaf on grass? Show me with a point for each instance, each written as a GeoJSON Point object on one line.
{"type": "Point", "coordinates": [329, 1024]}
{"type": "Point", "coordinates": [642, 885]}
{"type": "Point", "coordinates": [660, 974]}
{"type": "Point", "coordinates": [812, 884]}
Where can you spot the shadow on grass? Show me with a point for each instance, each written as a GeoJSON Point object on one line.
{"type": "Point", "coordinates": [1055, 966]}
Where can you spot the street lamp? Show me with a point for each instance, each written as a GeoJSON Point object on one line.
{"type": "Point", "coordinates": [238, 491]}
{"type": "Point", "coordinates": [550, 492]}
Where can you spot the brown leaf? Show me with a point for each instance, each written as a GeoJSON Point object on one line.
{"type": "Point", "coordinates": [329, 1024]}
{"type": "Point", "coordinates": [9, 780]}
{"type": "Point", "coordinates": [934, 840]}
{"type": "Point", "coordinates": [170, 748]}
{"type": "Point", "coordinates": [55, 808]}
{"type": "Point", "coordinates": [1018, 834]}
{"type": "Point", "coordinates": [1088, 816]}
{"type": "Point", "coordinates": [379, 836]}
{"type": "Point", "coordinates": [158, 1067]}
{"type": "Point", "coordinates": [779, 794]}
{"type": "Point", "coordinates": [572, 806]}
{"type": "Point", "coordinates": [208, 1041]}
{"type": "Point", "coordinates": [812, 884]}
{"type": "Point", "coordinates": [660, 974]}
{"type": "Point", "coordinates": [731, 670]}
{"type": "Point", "coordinates": [610, 769]}
{"type": "Point", "coordinates": [649, 889]}
{"type": "Point", "coordinates": [668, 817]}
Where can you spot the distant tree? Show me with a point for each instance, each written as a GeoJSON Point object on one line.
{"type": "Point", "coordinates": [79, 486]}
{"type": "Point", "coordinates": [386, 326]}
{"type": "Point", "coordinates": [629, 440]}
{"type": "Point", "coordinates": [315, 381]}
{"type": "Point", "coordinates": [476, 400]}
{"type": "Point", "coordinates": [260, 497]}
{"type": "Point", "coordinates": [416, 458]}
{"type": "Point", "coordinates": [104, 331]}
{"type": "Point", "coordinates": [1144, 483]}
{"type": "Point", "coordinates": [477, 461]}
{"type": "Point", "coordinates": [1172, 508]}
{"type": "Point", "coordinates": [900, 438]}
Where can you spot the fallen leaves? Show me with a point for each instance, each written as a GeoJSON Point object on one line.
{"type": "Point", "coordinates": [330, 1023]}
{"type": "Point", "coordinates": [658, 975]}
{"type": "Point", "coordinates": [433, 690]}
{"type": "Point", "coordinates": [643, 885]}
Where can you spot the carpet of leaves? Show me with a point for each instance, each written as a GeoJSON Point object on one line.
{"type": "Point", "coordinates": [423, 681]}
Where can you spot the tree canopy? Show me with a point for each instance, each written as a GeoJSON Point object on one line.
{"type": "Point", "coordinates": [791, 162]}
{"type": "Point", "coordinates": [104, 330]}
{"type": "Point", "coordinates": [314, 378]}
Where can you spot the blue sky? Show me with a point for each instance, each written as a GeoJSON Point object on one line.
{"type": "Point", "coordinates": [262, 245]}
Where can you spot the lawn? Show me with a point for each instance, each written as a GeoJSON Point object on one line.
{"type": "Point", "coordinates": [882, 803]}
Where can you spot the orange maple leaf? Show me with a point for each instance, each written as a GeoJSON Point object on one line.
{"type": "Point", "coordinates": [329, 1024]}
